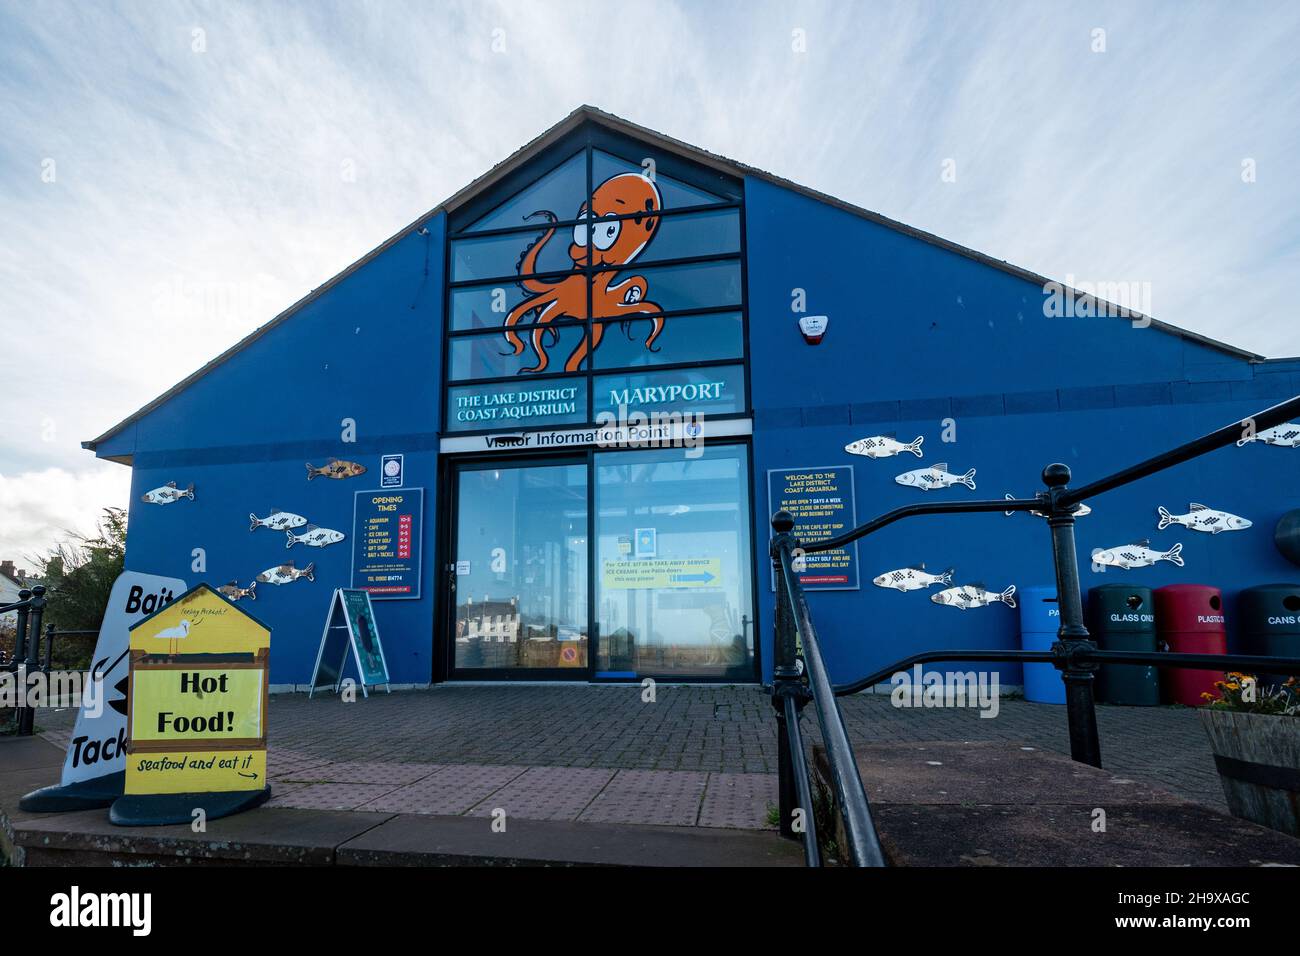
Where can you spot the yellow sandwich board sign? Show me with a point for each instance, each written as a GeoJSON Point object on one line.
{"type": "Point", "coordinates": [196, 712]}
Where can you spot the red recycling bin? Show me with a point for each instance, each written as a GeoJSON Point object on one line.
{"type": "Point", "coordinates": [1191, 621]}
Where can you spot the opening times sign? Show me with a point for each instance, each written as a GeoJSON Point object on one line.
{"type": "Point", "coordinates": [387, 528]}
{"type": "Point", "coordinates": [821, 501]}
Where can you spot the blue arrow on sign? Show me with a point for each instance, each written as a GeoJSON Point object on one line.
{"type": "Point", "coordinates": [706, 576]}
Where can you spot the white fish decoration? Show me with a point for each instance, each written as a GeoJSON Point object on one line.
{"type": "Point", "coordinates": [1137, 554]}
{"type": "Point", "coordinates": [1286, 435]}
{"type": "Point", "coordinates": [884, 446]}
{"type": "Point", "coordinates": [911, 579]}
{"type": "Point", "coordinates": [167, 494]}
{"type": "Point", "coordinates": [233, 592]}
{"type": "Point", "coordinates": [286, 573]}
{"type": "Point", "coordinates": [277, 520]}
{"type": "Point", "coordinates": [969, 596]}
{"type": "Point", "coordinates": [935, 477]}
{"type": "Point", "coordinates": [314, 537]}
{"type": "Point", "coordinates": [1201, 518]}
{"type": "Point", "coordinates": [1079, 511]}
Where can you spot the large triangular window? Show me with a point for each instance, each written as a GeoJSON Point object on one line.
{"type": "Point", "coordinates": [591, 264]}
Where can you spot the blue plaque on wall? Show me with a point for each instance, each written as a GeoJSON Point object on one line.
{"type": "Point", "coordinates": [387, 531]}
{"type": "Point", "coordinates": [822, 503]}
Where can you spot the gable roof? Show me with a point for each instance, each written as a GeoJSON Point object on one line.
{"type": "Point", "coordinates": [702, 157]}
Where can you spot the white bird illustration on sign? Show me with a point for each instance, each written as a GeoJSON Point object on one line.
{"type": "Point", "coordinates": [177, 633]}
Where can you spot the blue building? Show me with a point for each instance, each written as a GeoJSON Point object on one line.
{"type": "Point", "coordinates": [551, 418]}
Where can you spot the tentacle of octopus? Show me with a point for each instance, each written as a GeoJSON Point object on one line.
{"type": "Point", "coordinates": [523, 308]}
{"type": "Point", "coordinates": [528, 258]}
{"type": "Point", "coordinates": [543, 360]}
{"type": "Point", "coordinates": [574, 362]}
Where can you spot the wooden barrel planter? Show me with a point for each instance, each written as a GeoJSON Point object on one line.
{"type": "Point", "coordinates": [1258, 757]}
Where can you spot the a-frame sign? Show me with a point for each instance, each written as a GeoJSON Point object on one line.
{"type": "Point", "coordinates": [350, 623]}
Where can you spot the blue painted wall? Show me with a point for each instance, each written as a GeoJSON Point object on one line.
{"type": "Point", "coordinates": [918, 335]}
{"type": "Point", "coordinates": [368, 349]}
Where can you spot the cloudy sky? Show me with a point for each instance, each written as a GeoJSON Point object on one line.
{"type": "Point", "coordinates": [174, 174]}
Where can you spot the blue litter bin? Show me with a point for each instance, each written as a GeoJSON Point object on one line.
{"type": "Point", "coordinates": [1040, 618]}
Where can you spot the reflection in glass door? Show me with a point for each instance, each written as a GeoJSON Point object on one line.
{"type": "Point", "coordinates": [520, 568]}
{"type": "Point", "coordinates": [673, 582]}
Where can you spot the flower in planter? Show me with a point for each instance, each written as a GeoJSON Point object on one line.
{"type": "Point", "coordinates": [1241, 693]}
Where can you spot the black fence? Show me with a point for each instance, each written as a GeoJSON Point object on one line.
{"type": "Point", "coordinates": [800, 675]}
{"type": "Point", "coordinates": [31, 654]}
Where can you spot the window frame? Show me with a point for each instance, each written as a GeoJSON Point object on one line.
{"type": "Point", "coordinates": [674, 168]}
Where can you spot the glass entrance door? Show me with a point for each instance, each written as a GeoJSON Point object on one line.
{"type": "Point", "coordinates": [519, 578]}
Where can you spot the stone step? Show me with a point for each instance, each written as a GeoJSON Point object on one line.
{"type": "Point", "coordinates": [1005, 804]}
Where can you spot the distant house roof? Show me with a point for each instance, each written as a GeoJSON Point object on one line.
{"type": "Point", "coordinates": [590, 114]}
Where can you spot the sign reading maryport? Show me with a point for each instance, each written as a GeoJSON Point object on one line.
{"type": "Point", "coordinates": [821, 502]}
{"type": "Point", "coordinates": [196, 712]}
{"type": "Point", "coordinates": [387, 530]}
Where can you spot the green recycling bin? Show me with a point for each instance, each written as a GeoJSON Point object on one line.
{"type": "Point", "coordinates": [1122, 617]}
{"type": "Point", "coordinates": [1268, 616]}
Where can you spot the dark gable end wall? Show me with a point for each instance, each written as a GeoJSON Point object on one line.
{"type": "Point", "coordinates": [919, 334]}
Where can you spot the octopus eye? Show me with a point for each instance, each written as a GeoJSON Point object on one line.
{"type": "Point", "coordinates": [580, 234]}
{"type": "Point", "coordinates": [605, 233]}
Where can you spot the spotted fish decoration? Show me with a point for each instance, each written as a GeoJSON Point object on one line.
{"type": "Point", "coordinates": [1201, 518]}
{"type": "Point", "coordinates": [286, 573]}
{"type": "Point", "coordinates": [233, 592]}
{"type": "Point", "coordinates": [167, 494]}
{"type": "Point", "coordinates": [911, 579]}
{"type": "Point", "coordinates": [884, 446]}
{"type": "Point", "coordinates": [1080, 510]}
{"type": "Point", "coordinates": [277, 520]}
{"type": "Point", "coordinates": [1286, 435]}
{"type": "Point", "coordinates": [336, 468]}
{"type": "Point", "coordinates": [1138, 554]}
{"type": "Point", "coordinates": [969, 596]}
{"type": "Point", "coordinates": [935, 477]}
{"type": "Point", "coordinates": [314, 537]}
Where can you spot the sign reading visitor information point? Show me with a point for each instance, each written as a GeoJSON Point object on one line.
{"type": "Point", "coordinates": [93, 769]}
{"type": "Point", "coordinates": [350, 623]}
{"type": "Point", "coordinates": [196, 712]}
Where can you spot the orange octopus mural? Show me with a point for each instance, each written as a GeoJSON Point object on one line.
{"type": "Point", "coordinates": [613, 243]}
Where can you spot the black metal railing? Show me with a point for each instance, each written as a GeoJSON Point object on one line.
{"type": "Point", "coordinates": [28, 610]}
{"type": "Point", "coordinates": [797, 646]}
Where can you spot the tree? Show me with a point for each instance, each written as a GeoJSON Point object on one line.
{"type": "Point", "coordinates": [79, 576]}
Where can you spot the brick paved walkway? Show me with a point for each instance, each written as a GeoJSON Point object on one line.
{"type": "Point", "coordinates": [702, 756]}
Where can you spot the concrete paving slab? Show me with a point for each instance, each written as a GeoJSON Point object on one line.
{"type": "Point", "coordinates": [30, 753]}
{"type": "Point", "coordinates": [422, 840]}
{"type": "Point", "coordinates": [663, 797]}
{"type": "Point", "coordinates": [738, 800]}
{"type": "Point", "coordinates": [986, 772]}
{"type": "Point", "coordinates": [328, 796]}
{"type": "Point", "coordinates": [259, 837]}
{"type": "Point", "coordinates": [1155, 834]}
{"type": "Point", "coordinates": [451, 790]}
{"type": "Point", "coordinates": [546, 793]}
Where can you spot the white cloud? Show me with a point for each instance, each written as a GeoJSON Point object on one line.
{"type": "Point", "coordinates": [198, 193]}
{"type": "Point", "coordinates": [40, 508]}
